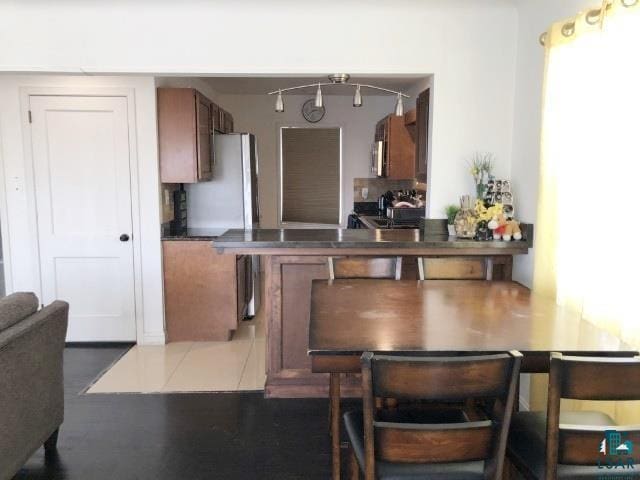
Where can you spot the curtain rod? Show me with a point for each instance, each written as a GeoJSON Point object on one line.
{"type": "Point", "coordinates": [592, 17]}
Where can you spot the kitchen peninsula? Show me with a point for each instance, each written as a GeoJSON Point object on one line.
{"type": "Point", "coordinates": [293, 258]}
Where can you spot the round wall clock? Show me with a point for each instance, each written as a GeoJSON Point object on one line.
{"type": "Point", "coordinates": [311, 113]}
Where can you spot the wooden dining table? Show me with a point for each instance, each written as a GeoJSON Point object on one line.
{"type": "Point", "coordinates": [349, 317]}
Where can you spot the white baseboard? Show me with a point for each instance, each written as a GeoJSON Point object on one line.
{"type": "Point", "coordinates": [153, 339]}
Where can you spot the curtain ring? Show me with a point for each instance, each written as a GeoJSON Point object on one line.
{"type": "Point", "coordinates": [628, 3]}
{"type": "Point", "coordinates": [543, 38]}
{"type": "Point", "coordinates": [568, 29]}
{"type": "Point", "coordinates": [593, 16]}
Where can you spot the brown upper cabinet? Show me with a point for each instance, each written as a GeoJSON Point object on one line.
{"type": "Point", "coordinates": [422, 134]}
{"type": "Point", "coordinates": [225, 121]}
{"type": "Point", "coordinates": [186, 122]}
{"type": "Point", "coordinates": [399, 151]}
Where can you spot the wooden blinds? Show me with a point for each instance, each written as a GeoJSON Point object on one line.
{"type": "Point", "coordinates": [311, 175]}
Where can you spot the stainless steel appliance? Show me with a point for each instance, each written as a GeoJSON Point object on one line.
{"type": "Point", "coordinates": [377, 158]}
{"type": "Point", "coordinates": [230, 200]}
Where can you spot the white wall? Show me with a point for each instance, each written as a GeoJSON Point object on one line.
{"type": "Point", "coordinates": [469, 45]}
{"type": "Point", "coordinates": [256, 114]}
{"type": "Point", "coordinates": [17, 207]}
{"type": "Point", "coordinates": [191, 82]}
{"type": "Point", "coordinates": [534, 17]}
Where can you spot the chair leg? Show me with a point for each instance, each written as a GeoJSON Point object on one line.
{"type": "Point", "coordinates": [354, 468]}
{"type": "Point", "coordinates": [334, 392]}
{"type": "Point", "coordinates": [51, 442]}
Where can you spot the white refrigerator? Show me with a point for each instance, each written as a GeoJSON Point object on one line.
{"type": "Point", "coordinates": [230, 199]}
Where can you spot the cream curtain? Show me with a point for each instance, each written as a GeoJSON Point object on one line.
{"type": "Point", "coordinates": [588, 242]}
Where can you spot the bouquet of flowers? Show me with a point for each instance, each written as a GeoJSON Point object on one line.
{"type": "Point", "coordinates": [480, 167]}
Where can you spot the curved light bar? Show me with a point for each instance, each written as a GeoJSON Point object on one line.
{"type": "Point", "coordinates": [347, 84]}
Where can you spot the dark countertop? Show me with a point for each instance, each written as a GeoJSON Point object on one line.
{"type": "Point", "coordinates": [197, 234]}
{"type": "Point", "coordinates": [330, 239]}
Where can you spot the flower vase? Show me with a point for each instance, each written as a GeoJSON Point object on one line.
{"type": "Point", "coordinates": [466, 219]}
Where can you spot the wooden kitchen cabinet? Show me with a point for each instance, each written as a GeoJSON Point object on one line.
{"type": "Point", "coordinates": [398, 147]}
{"type": "Point", "coordinates": [205, 293]}
{"type": "Point", "coordinates": [224, 122]}
{"type": "Point", "coordinates": [185, 136]}
{"type": "Point", "coordinates": [422, 135]}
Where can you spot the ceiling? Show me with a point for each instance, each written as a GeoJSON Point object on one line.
{"type": "Point", "coordinates": [263, 85]}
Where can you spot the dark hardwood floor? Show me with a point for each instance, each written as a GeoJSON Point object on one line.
{"type": "Point", "coordinates": [180, 436]}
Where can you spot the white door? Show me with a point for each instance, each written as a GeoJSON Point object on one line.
{"type": "Point", "coordinates": [83, 199]}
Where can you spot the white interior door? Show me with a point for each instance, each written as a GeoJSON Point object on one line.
{"type": "Point", "coordinates": [80, 151]}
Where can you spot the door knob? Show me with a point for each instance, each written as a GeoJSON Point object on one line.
{"type": "Point", "coordinates": [124, 237]}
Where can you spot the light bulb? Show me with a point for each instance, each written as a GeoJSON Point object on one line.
{"type": "Point", "coordinates": [357, 97]}
{"type": "Point", "coordinates": [318, 102]}
{"type": "Point", "coordinates": [279, 102]}
{"type": "Point", "coordinates": [399, 107]}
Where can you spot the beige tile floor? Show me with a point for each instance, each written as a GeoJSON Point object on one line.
{"type": "Point", "coordinates": [191, 366]}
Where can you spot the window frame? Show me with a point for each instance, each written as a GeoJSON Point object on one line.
{"type": "Point", "coordinates": [279, 131]}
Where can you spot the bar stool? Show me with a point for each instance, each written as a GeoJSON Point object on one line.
{"type": "Point", "coordinates": [446, 268]}
{"type": "Point", "coordinates": [445, 445]}
{"type": "Point", "coordinates": [571, 445]}
{"type": "Point", "coordinates": [350, 268]}
{"type": "Point", "coordinates": [365, 267]}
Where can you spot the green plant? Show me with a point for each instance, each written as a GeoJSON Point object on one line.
{"type": "Point", "coordinates": [451, 211]}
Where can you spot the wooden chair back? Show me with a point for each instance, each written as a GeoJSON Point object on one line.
{"type": "Point", "coordinates": [365, 267]}
{"type": "Point", "coordinates": [449, 268]}
{"type": "Point", "coordinates": [491, 379]}
{"type": "Point", "coordinates": [587, 378]}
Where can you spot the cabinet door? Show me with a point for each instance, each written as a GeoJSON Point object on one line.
{"type": "Point", "coordinates": [199, 289]}
{"type": "Point", "coordinates": [228, 123]}
{"type": "Point", "coordinates": [215, 114]}
{"type": "Point", "coordinates": [205, 138]}
{"type": "Point", "coordinates": [177, 135]}
{"type": "Point", "coordinates": [422, 134]}
{"type": "Point", "coordinates": [401, 153]}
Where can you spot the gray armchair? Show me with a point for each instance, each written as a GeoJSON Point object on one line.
{"type": "Point", "coordinates": [31, 388]}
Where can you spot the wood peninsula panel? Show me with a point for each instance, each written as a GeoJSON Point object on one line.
{"type": "Point", "coordinates": [288, 291]}
{"type": "Point", "coordinates": [199, 292]}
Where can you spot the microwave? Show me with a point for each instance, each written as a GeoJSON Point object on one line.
{"type": "Point", "coordinates": [377, 159]}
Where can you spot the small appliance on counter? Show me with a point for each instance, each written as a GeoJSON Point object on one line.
{"type": "Point", "coordinates": [384, 201]}
{"type": "Point", "coordinates": [178, 226]}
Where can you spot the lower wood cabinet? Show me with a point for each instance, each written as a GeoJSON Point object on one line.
{"type": "Point", "coordinates": [205, 293]}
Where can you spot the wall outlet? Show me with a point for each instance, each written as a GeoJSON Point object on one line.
{"type": "Point", "coordinates": [365, 193]}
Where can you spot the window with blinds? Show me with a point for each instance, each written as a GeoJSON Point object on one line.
{"type": "Point", "coordinates": [310, 175]}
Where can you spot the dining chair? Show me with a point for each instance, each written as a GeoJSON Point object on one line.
{"type": "Point", "coordinates": [365, 267]}
{"type": "Point", "coordinates": [355, 268]}
{"type": "Point", "coordinates": [449, 268]}
{"type": "Point", "coordinates": [579, 444]}
{"type": "Point", "coordinates": [433, 443]}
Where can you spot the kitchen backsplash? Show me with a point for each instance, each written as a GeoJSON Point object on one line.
{"type": "Point", "coordinates": [378, 186]}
